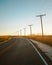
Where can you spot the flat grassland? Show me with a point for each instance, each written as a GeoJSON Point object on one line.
{"type": "Point", "coordinates": [46, 39]}
{"type": "Point", "coordinates": [3, 38]}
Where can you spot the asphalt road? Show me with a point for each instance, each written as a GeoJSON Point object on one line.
{"type": "Point", "coordinates": [19, 51]}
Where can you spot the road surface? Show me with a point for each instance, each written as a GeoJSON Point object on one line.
{"type": "Point", "coordinates": [19, 51]}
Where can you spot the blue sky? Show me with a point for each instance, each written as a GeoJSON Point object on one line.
{"type": "Point", "coordinates": [18, 14]}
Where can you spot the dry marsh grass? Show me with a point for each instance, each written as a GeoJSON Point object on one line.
{"type": "Point", "coordinates": [46, 39]}
{"type": "Point", "coordinates": [3, 38]}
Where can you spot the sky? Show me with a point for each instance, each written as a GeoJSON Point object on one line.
{"type": "Point", "coordinates": [15, 15]}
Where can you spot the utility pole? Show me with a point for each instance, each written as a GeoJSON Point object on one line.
{"type": "Point", "coordinates": [24, 31]}
{"type": "Point", "coordinates": [41, 22]}
{"type": "Point", "coordinates": [30, 29]}
{"type": "Point", "coordinates": [20, 32]}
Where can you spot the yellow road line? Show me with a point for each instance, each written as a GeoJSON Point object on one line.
{"type": "Point", "coordinates": [7, 48]}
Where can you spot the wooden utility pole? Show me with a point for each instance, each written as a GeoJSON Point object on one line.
{"type": "Point", "coordinates": [20, 32]}
{"type": "Point", "coordinates": [41, 22]}
{"type": "Point", "coordinates": [24, 31]}
{"type": "Point", "coordinates": [30, 29]}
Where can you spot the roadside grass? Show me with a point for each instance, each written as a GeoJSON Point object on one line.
{"type": "Point", "coordinates": [46, 39]}
{"type": "Point", "coordinates": [3, 38]}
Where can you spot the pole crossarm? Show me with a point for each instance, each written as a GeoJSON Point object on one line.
{"type": "Point", "coordinates": [41, 15]}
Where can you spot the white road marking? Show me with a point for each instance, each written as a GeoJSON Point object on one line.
{"type": "Point", "coordinates": [45, 48]}
{"type": "Point", "coordinates": [39, 53]}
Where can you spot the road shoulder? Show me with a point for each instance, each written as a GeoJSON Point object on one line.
{"type": "Point", "coordinates": [42, 51]}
